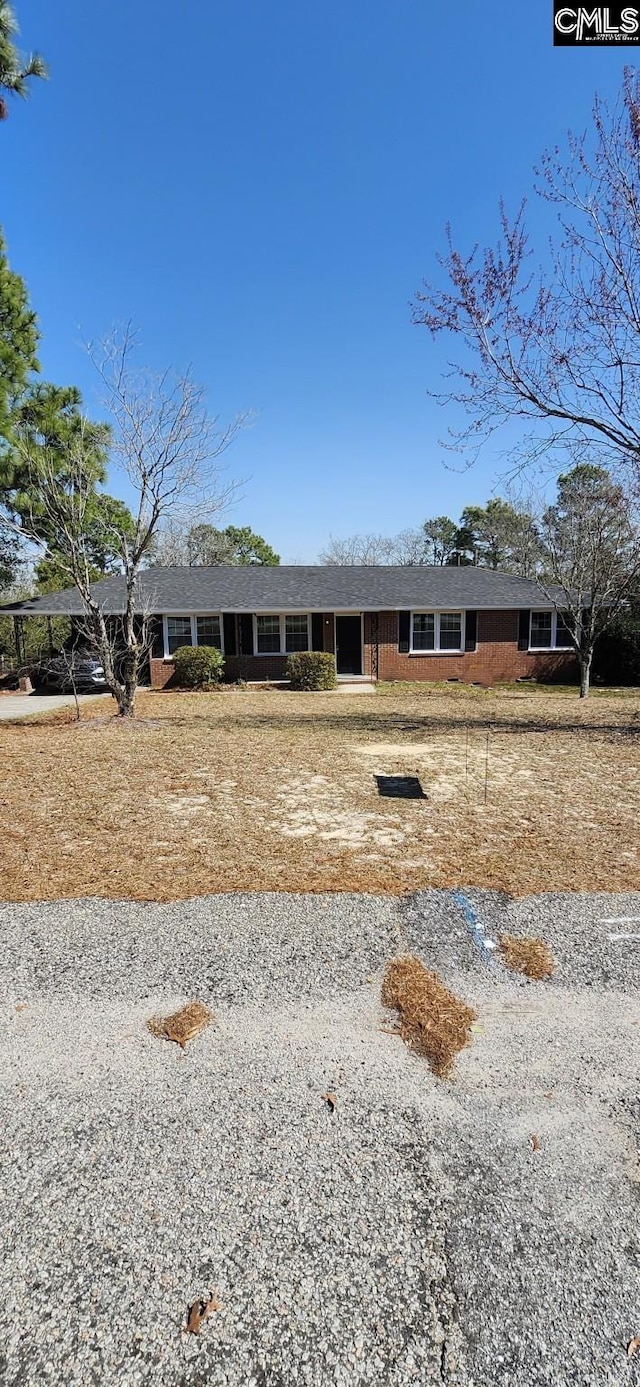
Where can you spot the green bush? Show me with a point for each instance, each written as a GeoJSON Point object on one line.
{"type": "Point", "coordinates": [311, 670]}
{"type": "Point", "coordinates": [198, 666]}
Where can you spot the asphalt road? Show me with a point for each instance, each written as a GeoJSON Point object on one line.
{"type": "Point", "coordinates": [416, 1234]}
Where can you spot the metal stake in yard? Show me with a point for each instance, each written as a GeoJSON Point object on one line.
{"type": "Point", "coordinates": [486, 770]}
{"type": "Point", "coordinates": [466, 765]}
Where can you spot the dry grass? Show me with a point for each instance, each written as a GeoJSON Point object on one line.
{"type": "Point", "coordinates": [274, 791]}
{"type": "Point", "coordinates": [433, 1021]}
{"type": "Point", "coordinates": [529, 956]}
{"type": "Point", "coordinates": [182, 1025]}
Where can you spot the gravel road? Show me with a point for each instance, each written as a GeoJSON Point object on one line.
{"type": "Point", "coordinates": [411, 1236]}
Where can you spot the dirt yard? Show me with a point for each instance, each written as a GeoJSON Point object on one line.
{"type": "Point", "coordinates": [525, 791]}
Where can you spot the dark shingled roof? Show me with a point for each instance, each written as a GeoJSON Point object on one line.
{"type": "Point", "coordinates": [301, 588]}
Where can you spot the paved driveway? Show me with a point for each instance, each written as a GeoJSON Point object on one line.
{"type": "Point", "coordinates": [23, 705]}
{"type": "Point", "coordinates": [475, 1233]}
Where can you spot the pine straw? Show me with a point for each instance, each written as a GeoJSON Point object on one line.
{"type": "Point", "coordinates": [433, 1021]}
{"type": "Point", "coordinates": [182, 1025]}
{"type": "Point", "coordinates": [529, 956]}
{"type": "Point", "coordinates": [274, 791]}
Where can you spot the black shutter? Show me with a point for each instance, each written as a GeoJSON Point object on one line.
{"type": "Point", "coordinates": [471, 631]}
{"type": "Point", "coordinates": [523, 629]}
{"type": "Point", "coordinates": [404, 631]}
{"type": "Point", "coordinates": [156, 636]}
{"type": "Point", "coordinates": [246, 634]}
{"type": "Point", "coordinates": [317, 631]}
{"type": "Point", "coordinates": [229, 633]}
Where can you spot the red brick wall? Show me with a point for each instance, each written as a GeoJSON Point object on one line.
{"type": "Point", "coordinates": [368, 664]}
{"type": "Point", "coordinates": [161, 672]}
{"type": "Point", "coordinates": [496, 657]}
{"type": "Point", "coordinates": [254, 667]}
{"type": "Point", "coordinates": [235, 667]}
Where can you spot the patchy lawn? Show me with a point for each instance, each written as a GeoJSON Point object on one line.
{"type": "Point", "coordinates": [244, 791]}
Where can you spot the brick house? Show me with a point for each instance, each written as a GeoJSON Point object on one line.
{"type": "Point", "coordinates": [421, 623]}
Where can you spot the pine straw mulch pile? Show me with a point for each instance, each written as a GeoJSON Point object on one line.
{"type": "Point", "coordinates": [269, 790]}
{"type": "Point", "coordinates": [433, 1021]}
{"type": "Point", "coordinates": [183, 1025]}
{"type": "Point", "coordinates": [529, 956]}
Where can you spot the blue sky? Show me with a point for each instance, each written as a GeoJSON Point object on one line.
{"type": "Point", "coordinates": [262, 187]}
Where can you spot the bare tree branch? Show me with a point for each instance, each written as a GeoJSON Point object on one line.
{"type": "Point", "coordinates": [557, 348]}
{"type": "Point", "coordinates": [169, 449]}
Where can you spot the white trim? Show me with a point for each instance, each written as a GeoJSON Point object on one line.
{"type": "Point", "coordinates": [282, 618]}
{"type": "Point", "coordinates": [335, 645]}
{"type": "Point", "coordinates": [535, 649]}
{"type": "Point", "coordinates": [437, 614]}
{"type": "Point", "coordinates": [192, 617]}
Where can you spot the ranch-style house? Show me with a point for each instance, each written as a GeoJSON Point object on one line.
{"type": "Point", "coordinates": [471, 624]}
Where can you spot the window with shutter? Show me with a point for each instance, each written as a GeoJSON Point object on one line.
{"type": "Point", "coordinates": [436, 632]}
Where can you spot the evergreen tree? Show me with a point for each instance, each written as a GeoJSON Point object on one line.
{"type": "Point", "coordinates": [500, 536]}
{"type": "Point", "coordinates": [205, 546]}
{"type": "Point", "coordinates": [50, 424]}
{"type": "Point", "coordinates": [240, 545]}
{"type": "Point", "coordinates": [441, 539]}
{"type": "Point", "coordinates": [15, 71]}
{"type": "Point", "coordinates": [18, 343]}
{"type": "Point", "coordinates": [108, 521]}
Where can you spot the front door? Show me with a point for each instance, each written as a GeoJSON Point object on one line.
{"type": "Point", "coordinates": [348, 645]}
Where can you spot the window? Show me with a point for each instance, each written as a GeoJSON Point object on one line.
{"type": "Point", "coordinates": [178, 632]}
{"type": "Point", "coordinates": [191, 630]}
{"type": "Point", "coordinates": [208, 631]}
{"type": "Point", "coordinates": [548, 632]}
{"type": "Point", "coordinates": [424, 631]}
{"type": "Point", "coordinates": [268, 635]}
{"type": "Point", "coordinates": [296, 633]}
{"type": "Point", "coordinates": [563, 639]}
{"type": "Point", "coordinates": [281, 634]}
{"type": "Point", "coordinates": [437, 631]}
{"type": "Point", "coordinates": [450, 630]}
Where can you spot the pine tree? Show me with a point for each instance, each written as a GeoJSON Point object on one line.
{"type": "Point", "coordinates": [18, 342]}
{"type": "Point", "coordinates": [15, 71]}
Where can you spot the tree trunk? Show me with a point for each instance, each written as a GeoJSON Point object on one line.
{"type": "Point", "coordinates": [585, 673]}
{"type": "Point", "coordinates": [120, 665]}
{"type": "Point", "coordinates": [127, 684]}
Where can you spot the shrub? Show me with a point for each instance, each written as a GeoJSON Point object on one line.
{"type": "Point", "coordinates": [198, 666]}
{"type": "Point", "coordinates": [311, 670]}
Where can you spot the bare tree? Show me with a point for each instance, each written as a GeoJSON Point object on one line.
{"type": "Point", "coordinates": [169, 449]}
{"type": "Point", "coordinates": [371, 550]}
{"type": "Point", "coordinates": [170, 547]}
{"type": "Point", "coordinates": [66, 658]}
{"type": "Point", "coordinates": [591, 552]}
{"type": "Point", "coordinates": [355, 549]}
{"type": "Point", "coordinates": [558, 348]}
{"type": "Point", "coordinates": [408, 548]}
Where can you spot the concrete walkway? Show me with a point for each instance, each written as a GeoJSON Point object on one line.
{"type": "Point", "coordinates": [356, 686]}
{"type": "Point", "coordinates": [24, 705]}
